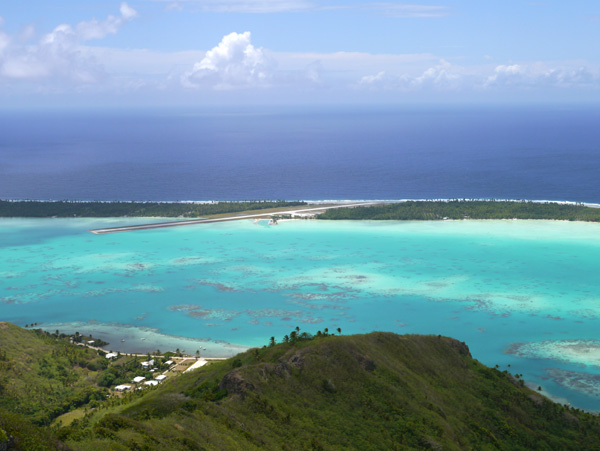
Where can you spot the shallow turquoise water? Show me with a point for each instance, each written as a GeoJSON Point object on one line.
{"type": "Point", "coordinates": [523, 293]}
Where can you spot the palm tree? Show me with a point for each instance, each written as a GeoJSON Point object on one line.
{"type": "Point", "coordinates": [272, 341]}
{"type": "Point", "coordinates": [339, 330]}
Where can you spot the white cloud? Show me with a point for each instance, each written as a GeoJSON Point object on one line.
{"type": "Point", "coordinates": [390, 8]}
{"type": "Point", "coordinates": [443, 76]}
{"type": "Point", "coordinates": [539, 75]}
{"type": "Point", "coordinates": [59, 54]}
{"type": "Point", "coordinates": [234, 63]}
{"type": "Point", "coordinates": [127, 12]}
{"type": "Point", "coordinates": [372, 79]}
{"type": "Point", "coordinates": [506, 75]}
{"type": "Point", "coordinates": [385, 81]}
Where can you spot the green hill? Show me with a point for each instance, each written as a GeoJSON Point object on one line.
{"type": "Point", "coordinates": [375, 391]}
{"type": "Point", "coordinates": [43, 375]}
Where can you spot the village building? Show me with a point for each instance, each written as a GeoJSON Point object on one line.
{"type": "Point", "coordinates": [122, 387]}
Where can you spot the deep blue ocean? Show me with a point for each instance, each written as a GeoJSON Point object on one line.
{"type": "Point", "coordinates": [304, 153]}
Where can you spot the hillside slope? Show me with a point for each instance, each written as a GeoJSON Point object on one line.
{"type": "Point", "coordinates": [375, 391]}
{"type": "Point", "coordinates": [42, 376]}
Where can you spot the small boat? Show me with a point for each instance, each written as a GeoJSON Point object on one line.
{"type": "Point", "coordinates": [122, 340]}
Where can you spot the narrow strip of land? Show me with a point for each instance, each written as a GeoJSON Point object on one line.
{"type": "Point", "coordinates": [160, 225]}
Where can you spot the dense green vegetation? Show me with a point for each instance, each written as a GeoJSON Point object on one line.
{"type": "Point", "coordinates": [375, 391]}
{"type": "Point", "coordinates": [42, 375]}
{"type": "Point", "coordinates": [467, 209]}
{"type": "Point", "coordinates": [66, 209]}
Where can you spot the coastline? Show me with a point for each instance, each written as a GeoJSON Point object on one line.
{"type": "Point", "coordinates": [144, 340]}
{"type": "Point", "coordinates": [315, 201]}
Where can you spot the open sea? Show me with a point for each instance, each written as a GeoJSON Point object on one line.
{"type": "Point", "coordinates": [310, 154]}
{"type": "Point", "coordinates": [519, 293]}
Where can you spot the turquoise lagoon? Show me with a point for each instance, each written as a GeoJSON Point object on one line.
{"type": "Point", "coordinates": [520, 293]}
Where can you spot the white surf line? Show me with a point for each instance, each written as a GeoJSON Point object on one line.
{"type": "Point", "coordinates": [160, 225]}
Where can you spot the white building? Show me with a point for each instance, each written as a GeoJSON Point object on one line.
{"type": "Point", "coordinates": [160, 377]}
{"type": "Point", "coordinates": [122, 387]}
{"type": "Point", "coordinates": [112, 355]}
{"type": "Point", "coordinates": [138, 379]}
{"type": "Point", "coordinates": [152, 383]}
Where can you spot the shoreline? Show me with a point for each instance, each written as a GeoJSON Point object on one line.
{"type": "Point", "coordinates": [314, 201]}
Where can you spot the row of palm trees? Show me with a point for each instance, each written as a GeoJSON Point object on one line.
{"type": "Point", "coordinates": [295, 336]}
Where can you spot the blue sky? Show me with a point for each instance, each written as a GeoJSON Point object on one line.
{"type": "Point", "coordinates": [194, 52]}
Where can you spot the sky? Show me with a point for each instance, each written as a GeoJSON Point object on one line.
{"type": "Point", "coordinates": [168, 53]}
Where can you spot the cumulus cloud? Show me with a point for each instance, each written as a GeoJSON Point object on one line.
{"type": "Point", "coordinates": [447, 77]}
{"type": "Point", "coordinates": [58, 53]}
{"type": "Point", "coordinates": [385, 81]}
{"type": "Point", "coordinates": [539, 75]}
{"type": "Point", "coordinates": [440, 77]}
{"type": "Point", "coordinates": [234, 63]}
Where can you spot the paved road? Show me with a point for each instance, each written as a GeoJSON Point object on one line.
{"type": "Point", "coordinates": [160, 225]}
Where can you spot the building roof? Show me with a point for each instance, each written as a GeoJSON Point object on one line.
{"type": "Point", "coordinates": [122, 387]}
{"type": "Point", "coordinates": [160, 377]}
{"type": "Point", "coordinates": [138, 379]}
{"type": "Point", "coordinates": [151, 383]}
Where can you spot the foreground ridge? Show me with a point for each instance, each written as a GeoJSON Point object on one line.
{"type": "Point", "coordinates": [374, 391]}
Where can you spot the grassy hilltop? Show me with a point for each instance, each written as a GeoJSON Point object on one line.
{"type": "Point", "coordinates": [374, 391]}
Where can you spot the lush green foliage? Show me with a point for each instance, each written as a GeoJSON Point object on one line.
{"type": "Point", "coordinates": [370, 392]}
{"type": "Point", "coordinates": [321, 391]}
{"type": "Point", "coordinates": [43, 375]}
{"type": "Point", "coordinates": [27, 436]}
{"type": "Point", "coordinates": [467, 209]}
{"type": "Point", "coordinates": [38, 209]}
